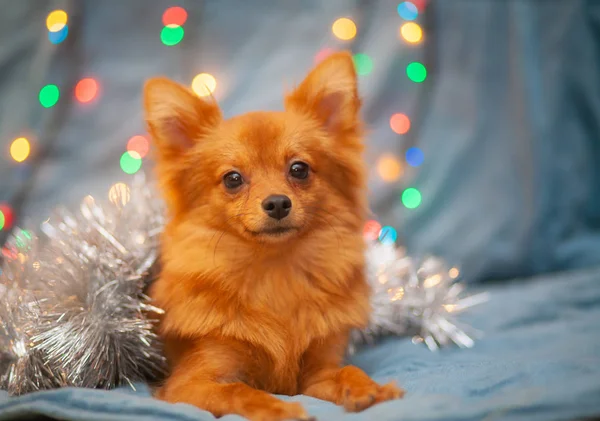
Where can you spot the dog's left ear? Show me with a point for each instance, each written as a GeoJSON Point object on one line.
{"type": "Point", "coordinates": [330, 94]}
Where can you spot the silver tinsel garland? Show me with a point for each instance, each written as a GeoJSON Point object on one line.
{"type": "Point", "coordinates": [73, 310]}
{"type": "Point", "coordinates": [415, 297]}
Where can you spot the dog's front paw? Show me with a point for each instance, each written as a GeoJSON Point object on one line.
{"type": "Point", "coordinates": [357, 398]}
{"type": "Point", "coordinates": [278, 411]}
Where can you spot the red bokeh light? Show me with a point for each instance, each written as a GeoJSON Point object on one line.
{"type": "Point", "coordinates": [420, 4]}
{"type": "Point", "coordinates": [371, 230]}
{"type": "Point", "coordinates": [400, 123]}
{"type": "Point", "coordinates": [8, 214]}
{"type": "Point", "coordinates": [323, 54]}
{"type": "Point", "coordinates": [86, 90]}
{"type": "Point", "coordinates": [138, 144]}
{"type": "Point", "coordinates": [174, 16]}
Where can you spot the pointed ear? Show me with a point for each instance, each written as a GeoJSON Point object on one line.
{"type": "Point", "coordinates": [176, 117]}
{"type": "Point", "coordinates": [330, 94]}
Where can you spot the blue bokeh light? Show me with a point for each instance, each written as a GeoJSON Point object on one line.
{"type": "Point", "coordinates": [414, 156]}
{"type": "Point", "coordinates": [388, 235]}
{"type": "Point", "coordinates": [408, 11]}
{"type": "Point", "coordinates": [58, 36]}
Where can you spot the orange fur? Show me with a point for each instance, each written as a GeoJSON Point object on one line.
{"type": "Point", "coordinates": [248, 312]}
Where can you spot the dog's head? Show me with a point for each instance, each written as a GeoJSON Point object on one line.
{"type": "Point", "coordinates": [263, 176]}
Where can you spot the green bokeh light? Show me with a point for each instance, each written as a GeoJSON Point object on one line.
{"type": "Point", "coordinates": [131, 162]}
{"type": "Point", "coordinates": [1, 220]}
{"type": "Point", "coordinates": [411, 198]}
{"type": "Point", "coordinates": [416, 72]}
{"type": "Point", "coordinates": [171, 35]}
{"type": "Point", "coordinates": [49, 95]}
{"type": "Point", "coordinates": [363, 64]}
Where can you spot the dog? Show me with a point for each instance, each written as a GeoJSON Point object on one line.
{"type": "Point", "coordinates": [263, 275]}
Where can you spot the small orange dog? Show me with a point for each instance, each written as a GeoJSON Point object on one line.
{"type": "Point", "coordinates": [263, 257]}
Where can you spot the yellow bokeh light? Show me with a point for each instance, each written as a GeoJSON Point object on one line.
{"type": "Point", "coordinates": [389, 168]}
{"type": "Point", "coordinates": [20, 149]}
{"type": "Point", "coordinates": [411, 32]}
{"type": "Point", "coordinates": [453, 273]}
{"type": "Point", "coordinates": [56, 20]}
{"type": "Point", "coordinates": [119, 194]}
{"type": "Point", "coordinates": [344, 29]}
{"type": "Point", "coordinates": [204, 84]}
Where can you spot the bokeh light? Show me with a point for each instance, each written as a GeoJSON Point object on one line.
{"type": "Point", "coordinates": [453, 273]}
{"type": "Point", "coordinates": [204, 84]}
{"type": "Point", "coordinates": [138, 144]}
{"type": "Point", "coordinates": [371, 230]}
{"type": "Point", "coordinates": [20, 149]}
{"type": "Point", "coordinates": [49, 95]}
{"type": "Point", "coordinates": [411, 198]}
{"type": "Point", "coordinates": [56, 20]}
{"type": "Point", "coordinates": [414, 156]}
{"type": "Point", "coordinates": [407, 10]}
{"type": "Point", "coordinates": [411, 32]}
{"type": "Point", "coordinates": [174, 16]}
{"type": "Point", "coordinates": [131, 162]}
{"type": "Point", "coordinates": [363, 64]}
{"type": "Point", "coordinates": [420, 4]}
{"type": "Point", "coordinates": [6, 216]}
{"type": "Point", "coordinates": [171, 35]}
{"type": "Point", "coordinates": [400, 123]}
{"type": "Point", "coordinates": [86, 90]}
{"type": "Point", "coordinates": [323, 54]}
{"type": "Point", "coordinates": [59, 36]}
{"type": "Point", "coordinates": [416, 72]}
{"type": "Point", "coordinates": [119, 194]}
{"type": "Point", "coordinates": [389, 168]}
{"type": "Point", "coordinates": [344, 29]}
{"type": "Point", "coordinates": [388, 235]}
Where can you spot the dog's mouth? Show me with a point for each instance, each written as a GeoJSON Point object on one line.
{"type": "Point", "coordinates": [274, 232]}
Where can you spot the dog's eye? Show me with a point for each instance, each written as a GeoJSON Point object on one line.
{"type": "Point", "coordinates": [299, 170]}
{"type": "Point", "coordinates": [233, 180]}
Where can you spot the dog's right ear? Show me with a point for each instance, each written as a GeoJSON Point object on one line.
{"type": "Point", "coordinates": [176, 117]}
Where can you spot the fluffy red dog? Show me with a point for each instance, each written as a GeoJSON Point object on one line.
{"type": "Point", "coordinates": [263, 263]}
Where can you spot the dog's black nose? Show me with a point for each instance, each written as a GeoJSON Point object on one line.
{"type": "Point", "coordinates": [277, 206]}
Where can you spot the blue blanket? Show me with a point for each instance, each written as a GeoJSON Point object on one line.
{"type": "Point", "coordinates": [539, 360]}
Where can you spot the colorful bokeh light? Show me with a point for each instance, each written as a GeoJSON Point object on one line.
{"type": "Point", "coordinates": [59, 36]}
{"type": "Point", "coordinates": [49, 95]}
{"type": "Point", "coordinates": [323, 54]}
{"type": "Point", "coordinates": [131, 162]}
{"type": "Point", "coordinates": [172, 35]}
{"type": "Point", "coordinates": [416, 72]}
{"type": "Point", "coordinates": [414, 156]}
{"type": "Point", "coordinates": [138, 144]}
{"type": "Point", "coordinates": [407, 10]}
{"type": "Point", "coordinates": [86, 90]}
{"type": "Point", "coordinates": [174, 16]}
{"type": "Point", "coordinates": [389, 168]}
{"type": "Point", "coordinates": [344, 29]}
{"type": "Point", "coordinates": [363, 64]}
{"type": "Point", "coordinates": [371, 230]}
{"type": "Point", "coordinates": [20, 149]}
{"type": "Point", "coordinates": [119, 194]}
{"type": "Point", "coordinates": [56, 20]}
{"type": "Point", "coordinates": [400, 123]}
{"type": "Point", "coordinates": [411, 32]}
{"type": "Point", "coordinates": [6, 216]}
{"type": "Point", "coordinates": [204, 84]}
{"type": "Point", "coordinates": [388, 235]}
{"type": "Point", "coordinates": [411, 198]}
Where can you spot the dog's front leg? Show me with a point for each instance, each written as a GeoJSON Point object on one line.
{"type": "Point", "coordinates": [323, 377]}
